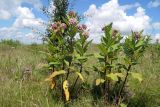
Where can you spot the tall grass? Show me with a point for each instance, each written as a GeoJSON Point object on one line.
{"type": "Point", "coordinates": [34, 92]}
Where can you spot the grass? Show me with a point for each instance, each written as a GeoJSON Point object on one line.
{"type": "Point", "coordinates": [34, 92]}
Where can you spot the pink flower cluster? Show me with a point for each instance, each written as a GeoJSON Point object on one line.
{"type": "Point", "coordinates": [58, 26]}
{"type": "Point", "coordinates": [85, 34]}
{"type": "Point", "coordinates": [83, 30]}
{"type": "Point", "coordinates": [137, 35]}
{"type": "Point", "coordinates": [82, 27]}
{"type": "Point", "coordinates": [73, 21]}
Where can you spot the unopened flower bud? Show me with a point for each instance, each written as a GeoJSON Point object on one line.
{"type": "Point", "coordinates": [136, 35]}
{"type": "Point", "coordinates": [114, 33]}
{"type": "Point", "coordinates": [72, 14]}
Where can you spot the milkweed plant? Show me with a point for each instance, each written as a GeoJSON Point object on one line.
{"type": "Point", "coordinates": [67, 54]}
{"type": "Point", "coordinates": [67, 47]}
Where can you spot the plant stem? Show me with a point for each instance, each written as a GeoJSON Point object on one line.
{"type": "Point", "coordinates": [81, 67]}
{"type": "Point", "coordinates": [68, 71]}
{"type": "Point", "coordinates": [71, 51]}
{"type": "Point", "coordinates": [106, 84]}
{"type": "Point", "coordinates": [109, 83]}
{"type": "Point", "coordinates": [129, 67]}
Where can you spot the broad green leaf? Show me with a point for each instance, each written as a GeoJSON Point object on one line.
{"type": "Point", "coordinates": [137, 76]}
{"type": "Point", "coordinates": [66, 62]}
{"type": "Point", "coordinates": [140, 43]}
{"type": "Point", "coordinates": [99, 81]}
{"type": "Point", "coordinates": [102, 48]}
{"type": "Point", "coordinates": [54, 74]}
{"type": "Point", "coordinates": [97, 55]}
{"type": "Point", "coordinates": [54, 63]}
{"type": "Point", "coordinates": [80, 76]}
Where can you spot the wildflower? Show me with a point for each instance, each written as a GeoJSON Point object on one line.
{"type": "Point", "coordinates": [136, 35]}
{"type": "Point", "coordinates": [85, 34]}
{"type": "Point", "coordinates": [63, 26]}
{"type": "Point", "coordinates": [80, 27]}
{"type": "Point", "coordinates": [73, 21]}
{"type": "Point", "coordinates": [84, 26]}
{"type": "Point", "coordinates": [114, 33]}
{"type": "Point", "coordinates": [54, 26]}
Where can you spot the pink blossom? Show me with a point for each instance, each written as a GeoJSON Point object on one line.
{"type": "Point", "coordinates": [85, 34]}
{"type": "Point", "coordinates": [84, 26]}
{"type": "Point", "coordinates": [137, 35]}
{"type": "Point", "coordinates": [54, 26]}
{"type": "Point", "coordinates": [63, 26]}
{"type": "Point", "coordinates": [80, 27]}
{"type": "Point", "coordinates": [73, 21]}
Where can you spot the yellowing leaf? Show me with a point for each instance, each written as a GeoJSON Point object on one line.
{"type": "Point", "coordinates": [99, 81]}
{"type": "Point", "coordinates": [53, 83]}
{"type": "Point", "coordinates": [113, 76]}
{"type": "Point", "coordinates": [65, 88]}
{"type": "Point", "coordinates": [123, 105]}
{"type": "Point", "coordinates": [54, 74]}
{"type": "Point", "coordinates": [80, 76]}
{"type": "Point", "coordinates": [119, 75]}
{"type": "Point", "coordinates": [137, 76]}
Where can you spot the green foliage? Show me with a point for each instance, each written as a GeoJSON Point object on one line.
{"type": "Point", "coordinates": [35, 92]}
{"type": "Point", "coordinates": [66, 53]}
{"type": "Point", "coordinates": [61, 7]}
{"type": "Point", "coordinates": [113, 74]}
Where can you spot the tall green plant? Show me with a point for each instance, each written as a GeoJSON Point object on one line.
{"type": "Point", "coordinates": [113, 74]}
{"type": "Point", "coordinates": [107, 58]}
{"type": "Point", "coordinates": [68, 54]}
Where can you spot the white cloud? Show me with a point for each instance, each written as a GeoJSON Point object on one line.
{"type": "Point", "coordinates": [5, 14]}
{"type": "Point", "coordinates": [26, 18]}
{"type": "Point", "coordinates": [154, 3]}
{"type": "Point", "coordinates": [8, 7]}
{"type": "Point", "coordinates": [113, 12]}
{"type": "Point", "coordinates": [155, 38]}
{"type": "Point", "coordinates": [129, 6]}
{"type": "Point", "coordinates": [156, 25]}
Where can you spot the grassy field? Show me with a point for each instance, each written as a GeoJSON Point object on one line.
{"type": "Point", "coordinates": [19, 89]}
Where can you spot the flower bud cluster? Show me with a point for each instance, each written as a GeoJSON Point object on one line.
{"type": "Point", "coordinates": [58, 27]}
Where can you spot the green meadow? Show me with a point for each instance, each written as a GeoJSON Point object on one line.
{"type": "Point", "coordinates": [23, 71]}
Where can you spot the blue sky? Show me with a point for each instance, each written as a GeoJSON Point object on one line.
{"type": "Point", "coordinates": [23, 19]}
